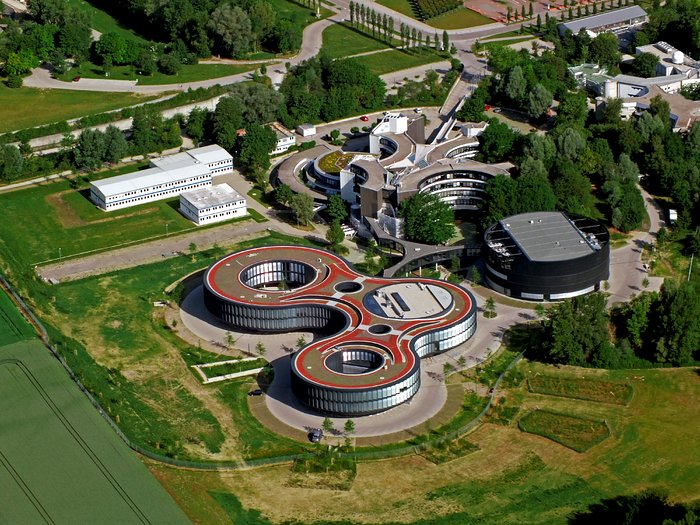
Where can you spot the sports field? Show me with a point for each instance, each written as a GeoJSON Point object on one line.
{"type": "Point", "coordinates": [59, 460]}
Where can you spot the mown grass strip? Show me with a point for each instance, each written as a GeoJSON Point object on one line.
{"type": "Point", "coordinates": [574, 432]}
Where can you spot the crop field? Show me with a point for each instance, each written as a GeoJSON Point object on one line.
{"type": "Point", "coordinates": [61, 463]}
{"type": "Point", "coordinates": [13, 327]}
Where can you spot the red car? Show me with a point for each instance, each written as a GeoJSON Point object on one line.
{"type": "Point", "coordinates": [76, 79]}
{"type": "Point", "coordinates": [364, 118]}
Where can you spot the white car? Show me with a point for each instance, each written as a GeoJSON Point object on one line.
{"type": "Point", "coordinates": [418, 110]}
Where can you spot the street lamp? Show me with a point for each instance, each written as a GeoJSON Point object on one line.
{"type": "Point", "coordinates": [59, 253]}
{"type": "Point", "coordinates": [166, 228]}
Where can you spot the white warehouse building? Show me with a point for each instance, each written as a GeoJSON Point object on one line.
{"type": "Point", "coordinates": [167, 177]}
{"type": "Point", "coordinates": [215, 204]}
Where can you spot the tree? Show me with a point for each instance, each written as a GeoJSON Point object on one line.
{"type": "Point", "coordinates": [261, 179]}
{"type": "Point", "coordinates": [476, 275]}
{"type": "Point", "coordinates": [260, 349]}
{"type": "Point", "coordinates": [116, 146]}
{"type": "Point", "coordinates": [349, 427]}
{"type": "Point", "coordinates": [284, 194]}
{"type": "Point", "coordinates": [232, 30]}
{"type": "Point", "coordinates": [196, 124]}
{"type": "Point", "coordinates": [255, 147]}
{"type": "Point", "coordinates": [48, 11]}
{"type": "Point", "coordinates": [327, 424]}
{"type": "Point", "coordinates": [227, 120]}
{"type": "Point", "coordinates": [603, 50]}
{"type": "Point", "coordinates": [11, 162]}
{"type": "Point", "coordinates": [445, 41]}
{"type": "Point", "coordinates": [538, 101]}
{"type": "Point", "coordinates": [89, 150]}
{"type": "Point", "coordinates": [20, 63]}
{"type": "Point", "coordinates": [169, 64]}
{"type": "Point", "coordinates": [302, 206]}
{"type": "Point", "coordinates": [301, 342]}
{"type": "Point", "coordinates": [335, 234]}
{"type": "Point", "coordinates": [570, 144]}
{"type": "Point", "coordinates": [576, 330]}
{"type": "Point", "coordinates": [644, 65]}
{"type": "Point", "coordinates": [427, 219]}
{"type": "Point", "coordinates": [515, 86]}
{"type": "Point", "coordinates": [229, 340]}
{"type": "Point", "coordinates": [490, 308]}
{"type": "Point", "coordinates": [336, 208]}
{"type": "Point", "coordinates": [496, 142]}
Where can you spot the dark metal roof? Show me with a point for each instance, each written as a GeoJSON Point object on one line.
{"type": "Point", "coordinates": [547, 236]}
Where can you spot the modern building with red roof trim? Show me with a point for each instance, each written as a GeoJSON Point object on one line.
{"type": "Point", "coordinates": [374, 330]}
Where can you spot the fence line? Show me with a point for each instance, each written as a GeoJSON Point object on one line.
{"type": "Point", "coordinates": [255, 462]}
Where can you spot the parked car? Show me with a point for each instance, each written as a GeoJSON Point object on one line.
{"type": "Point", "coordinates": [256, 392]}
{"type": "Point", "coordinates": [316, 435]}
{"type": "Point", "coordinates": [76, 79]}
{"type": "Point", "coordinates": [364, 118]}
{"type": "Point", "coordinates": [418, 110]}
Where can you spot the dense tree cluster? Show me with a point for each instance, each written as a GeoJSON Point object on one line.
{"type": "Point", "coordinates": [427, 219]}
{"type": "Point", "coordinates": [558, 170]}
{"type": "Point", "coordinates": [324, 89]}
{"type": "Point", "coordinates": [653, 328]}
{"type": "Point", "coordinates": [380, 25]}
{"type": "Point", "coordinates": [650, 507]}
{"type": "Point", "coordinates": [11, 162]}
{"type": "Point", "coordinates": [203, 27]}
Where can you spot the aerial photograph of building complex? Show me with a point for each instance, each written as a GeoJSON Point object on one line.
{"type": "Point", "coordinates": [399, 262]}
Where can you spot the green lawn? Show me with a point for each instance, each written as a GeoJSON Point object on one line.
{"type": "Point", "coordinates": [104, 22]}
{"type": "Point", "coordinates": [507, 42]}
{"type": "Point", "coordinates": [395, 60]}
{"type": "Point", "coordinates": [54, 105]}
{"type": "Point", "coordinates": [188, 73]}
{"type": "Point", "coordinates": [339, 38]}
{"type": "Point", "coordinates": [73, 452]}
{"type": "Point", "coordinates": [459, 19]}
{"type": "Point", "coordinates": [13, 327]}
{"type": "Point", "coordinates": [401, 6]}
{"type": "Point", "coordinates": [299, 14]}
{"type": "Point", "coordinates": [57, 216]}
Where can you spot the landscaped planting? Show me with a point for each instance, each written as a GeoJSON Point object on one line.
{"type": "Point", "coordinates": [574, 432]}
{"type": "Point", "coordinates": [335, 161]}
{"type": "Point", "coordinates": [580, 388]}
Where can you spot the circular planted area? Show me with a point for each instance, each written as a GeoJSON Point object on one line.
{"type": "Point", "coordinates": [278, 275]}
{"type": "Point", "coordinates": [335, 161]}
{"type": "Point", "coordinates": [379, 329]}
{"type": "Point", "coordinates": [348, 287]}
{"type": "Point", "coordinates": [354, 361]}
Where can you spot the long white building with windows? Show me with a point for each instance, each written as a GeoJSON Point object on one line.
{"type": "Point", "coordinates": [166, 178]}
{"type": "Point", "coordinates": [215, 204]}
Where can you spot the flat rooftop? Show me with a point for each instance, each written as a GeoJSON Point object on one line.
{"type": "Point", "coordinates": [218, 195]}
{"type": "Point", "coordinates": [605, 19]}
{"type": "Point", "coordinates": [546, 236]}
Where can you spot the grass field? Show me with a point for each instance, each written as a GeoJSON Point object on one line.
{"type": "Point", "coordinates": [59, 461]}
{"type": "Point", "coordinates": [57, 216]}
{"type": "Point", "coordinates": [13, 327]}
{"type": "Point", "coordinates": [459, 19]}
{"type": "Point", "coordinates": [395, 60]}
{"type": "Point", "coordinates": [104, 22]}
{"type": "Point", "coordinates": [339, 38]}
{"type": "Point", "coordinates": [188, 73]}
{"type": "Point", "coordinates": [575, 432]}
{"type": "Point", "coordinates": [514, 478]}
{"type": "Point", "coordinates": [54, 105]}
